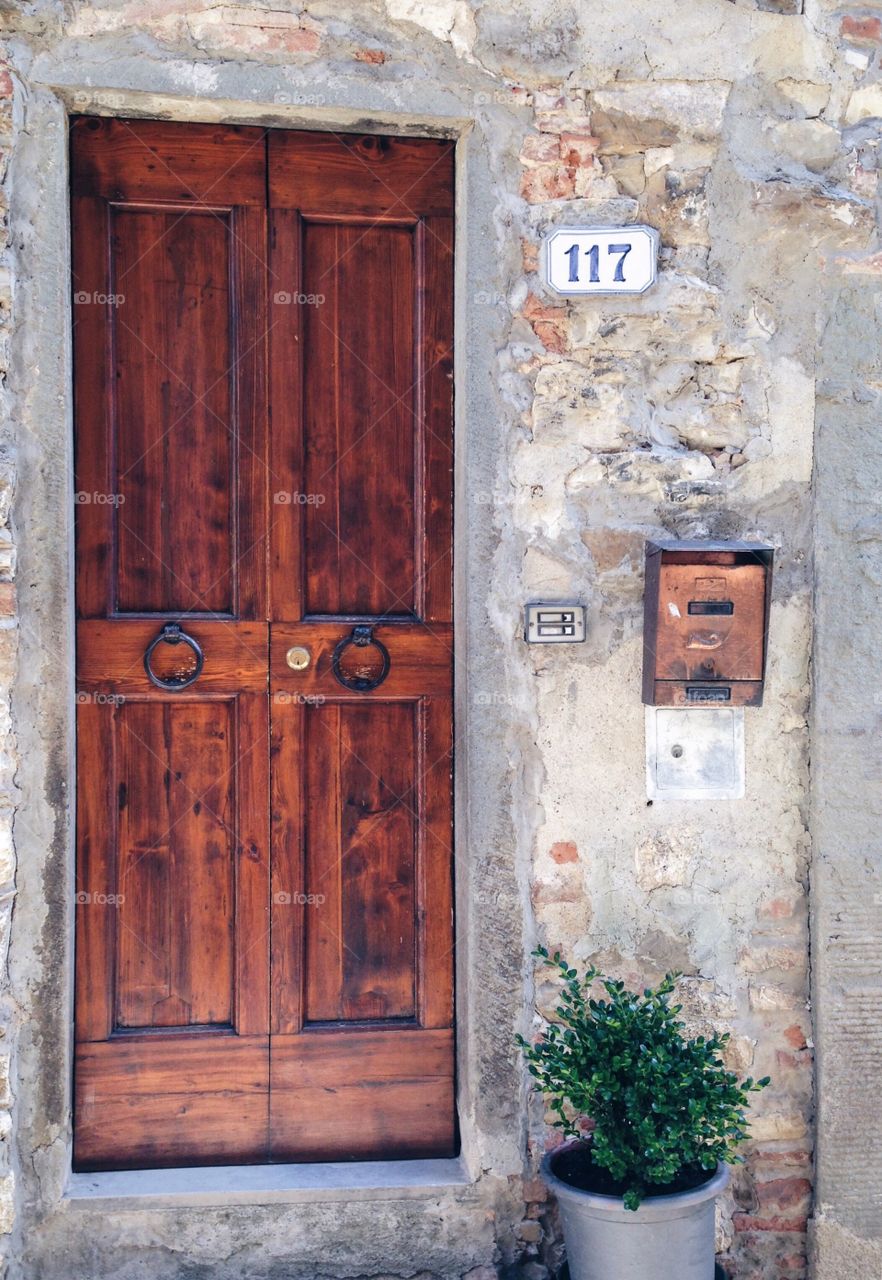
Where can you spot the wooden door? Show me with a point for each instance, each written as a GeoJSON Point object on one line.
{"type": "Point", "coordinates": [264, 931]}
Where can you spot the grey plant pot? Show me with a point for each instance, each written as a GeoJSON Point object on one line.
{"type": "Point", "coordinates": [667, 1238]}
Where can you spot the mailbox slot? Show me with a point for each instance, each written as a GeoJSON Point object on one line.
{"type": "Point", "coordinates": [705, 623]}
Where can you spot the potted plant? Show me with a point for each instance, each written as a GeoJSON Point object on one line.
{"type": "Point", "coordinates": [663, 1115]}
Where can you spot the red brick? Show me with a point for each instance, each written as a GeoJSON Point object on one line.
{"type": "Point", "coordinates": [7, 599]}
{"type": "Point", "coordinates": [535, 1191]}
{"type": "Point", "coordinates": [577, 149]}
{"type": "Point", "coordinates": [788, 1196]}
{"type": "Point", "coordinates": [564, 851]}
{"type": "Point", "coordinates": [795, 1036]}
{"type": "Point", "coordinates": [777, 909]}
{"type": "Point", "coordinates": [552, 337]}
{"type": "Point", "coordinates": [548, 182]}
{"type": "Point", "coordinates": [536, 309]}
{"type": "Point", "coordinates": [745, 1223]}
{"type": "Point", "coordinates": [540, 148]}
{"type": "Point", "coordinates": [376, 56]}
{"type": "Point", "coordinates": [858, 27]}
{"type": "Point", "coordinates": [5, 84]}
{"type": "Point", "coordinates": [549, 323]}
{"type": "Point", "coordinates": [530, 255]}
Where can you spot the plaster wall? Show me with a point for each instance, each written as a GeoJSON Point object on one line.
{"type": "Point", "coordinates": [748, 135]}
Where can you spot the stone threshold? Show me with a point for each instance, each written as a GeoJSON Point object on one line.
{"type": "Point", "coordinates": [222, 1186]}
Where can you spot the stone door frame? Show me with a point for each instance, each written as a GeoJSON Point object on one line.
{"type": "Point", "coordinates": [493, 847]}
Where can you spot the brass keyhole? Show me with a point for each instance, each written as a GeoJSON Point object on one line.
{"type": "Point", "coordinates": [298, 658]}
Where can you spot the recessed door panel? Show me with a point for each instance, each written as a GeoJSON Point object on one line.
{"type": "Point", "coordinates": [359, 417]}
{"type": "Point", "coordinates": [173, 364]}
{"type": "Point", "coordinates": [361, 861]}
{"type": "Point", "coordinates": [176, 879]}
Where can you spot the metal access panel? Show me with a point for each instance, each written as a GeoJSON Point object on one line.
{"type": "Point", "coordinates": [554, 623]}
{"type": "Point", "coordinates": [706, 615]}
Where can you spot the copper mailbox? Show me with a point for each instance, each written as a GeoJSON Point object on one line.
{"type": "Point", "coordinates": [706, 618]}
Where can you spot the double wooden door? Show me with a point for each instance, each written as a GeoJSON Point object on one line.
{"type": "Point", "coordinates": [263, 351]}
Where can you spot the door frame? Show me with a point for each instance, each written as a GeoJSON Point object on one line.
{"type": "Point", "coordinates": [493, 829]}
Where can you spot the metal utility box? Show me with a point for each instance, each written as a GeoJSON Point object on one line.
{"type": "Point", "coordinates": [706, 618]}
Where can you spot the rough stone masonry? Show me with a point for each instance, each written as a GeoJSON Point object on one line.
{"type": "Point", "coordinates": [738, 398]}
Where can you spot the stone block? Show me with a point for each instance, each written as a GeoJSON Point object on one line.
{"type": "Point", "coordinates": [449, 20]}
{"type": "Point", "coordinates": [666, 860]}
{"type": "Point", "coordinates": [628, 173]}
{"type": "Point", "coordinates": [811, 143]}
{"type": "Point", "coordinates": [571, 404]}
{"type": "Point", "coordinates": [636, 115]}
{"type": "Point", "coordinates": [864, 104]}
{"type": "Point", "coordinates": [777, 1127]}
{"type": "Point", "coordinates": [253, 32]}
{"type": "Point", "coordinates": [808, 96]}
{"type": "Point", "coordinates": [7, 1203]}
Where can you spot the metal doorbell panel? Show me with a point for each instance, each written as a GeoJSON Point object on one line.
{"type": "Point", "coordinates": [554, 623]}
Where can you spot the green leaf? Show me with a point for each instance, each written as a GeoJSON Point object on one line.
{"type": "Point", "coordinates": [659, 1102]}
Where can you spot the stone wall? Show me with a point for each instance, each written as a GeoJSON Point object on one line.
{"type": "Point", "coordinates": [10, 120]}
{"type": "Point", "coordinates": [748, 134]}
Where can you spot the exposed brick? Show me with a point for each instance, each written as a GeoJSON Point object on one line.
{"type": "Point", "coordinates": [530, 256]}
{"type": "Point", "coordinates": [375, 56]}
{"type": "Point", "coordinates": [540, 148]}
{"type": "Point", "coordinates": [548, 182]}
{"type": "Point", "coordinates": [577, 149]}
{"type": "Point", "coordinates": [747, 1223]}
{"type": "Point", "coordinates": [564, 851]}
{"type": "Point", "coordinates": [777, 909]}
{"type": "Point", "coordinates": [535, 1191]}
{"type": "Point", "coordinates": [861, 28]}
{"type": "Point", "coordinates": [792, 1262]}
{"type": "Point", "coordinates": [784, 1197]}
{"type": "Point", "coordinates": [549, 323]}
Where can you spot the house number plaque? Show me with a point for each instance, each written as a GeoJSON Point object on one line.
{"type": "Point", "coordinates": [585, 260]}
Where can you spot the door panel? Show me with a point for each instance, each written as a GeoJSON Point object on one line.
{"type": "Point", "coordinates": [173, 367]}
{"type": "Point", "coordinates": [395, 1100]}
{"type": "Point", "coordinates": [171, 1061]}
{"type": "Point", "coordinates": [359, 412]}
{"type": "Point", "coordinates": [265, 847]}
{"type": "Point", "coordinates": [356, 176]}
{"type": "Point", "coordinates": [361, 1052]}
{"type": "Point", "coordinates": [174, 962]}
{"type": "Point", "coordinates": [360, 862]}
{"type": "Point", "coordinates": [139, 1106]}
{"type": "Point", "coordinates": [170, 349]}
{"type": "Point", "coordinates": [172, 930]}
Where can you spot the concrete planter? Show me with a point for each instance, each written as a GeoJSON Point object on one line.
{"type": "Point", "coordinates": [667, 1238]}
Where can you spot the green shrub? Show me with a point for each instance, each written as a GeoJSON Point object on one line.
{"type": "Point", "coordinates": [662, 1106]}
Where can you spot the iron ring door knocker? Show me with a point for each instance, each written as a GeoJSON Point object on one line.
{"type": "Point", "coordinates": [171, 633]}
{"type": "Point", "coordinates": [362, 637]}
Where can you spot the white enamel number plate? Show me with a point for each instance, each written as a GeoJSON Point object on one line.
{"type": "Point", "coordinates": [601, 259]}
